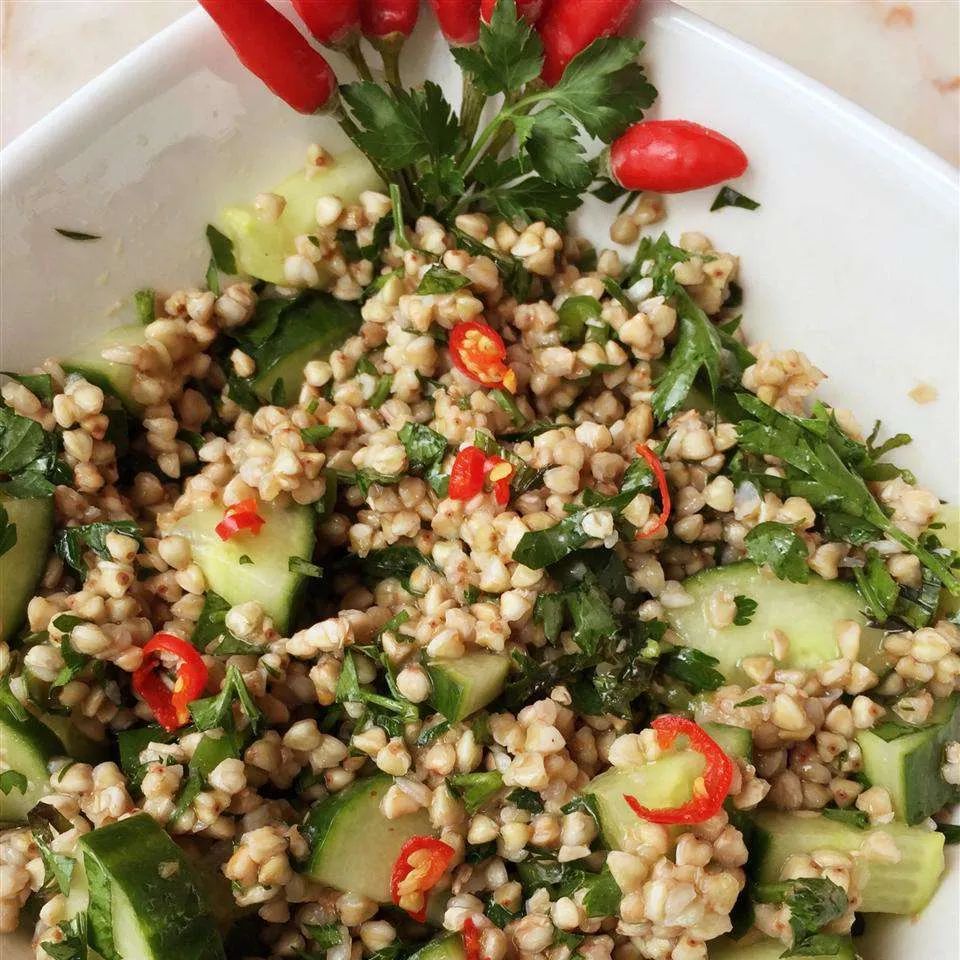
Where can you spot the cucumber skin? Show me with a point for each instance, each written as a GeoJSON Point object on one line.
{"type": "Point", "coordinates": [449, 947]}
{"type": "Point", "coordinates": [22, 566]}
{"type": "Point", "coordinates": [457, 695]}
{"type": "Point", "coordinates": [329, 819]}
{"type": "Point", "coordinates": [909, 767]}
{"type": "Point", "coordinates": [315, 326]}
{"type": "Point", "coordinates": [731, 644]}
{"type": "Point", "coordinates": [723, 948]}
{"type": "Point", "coordinates": [26, 743]}
{"type": "Point", "coordinates": [114, 379]}
{"type": "Point", "coordinates": [171, 914]}
{"type": "Point", "coordinates": [902, 888]}
{"type": "Point", "coordinates": [735, 742]}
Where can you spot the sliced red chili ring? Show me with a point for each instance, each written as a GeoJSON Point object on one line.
{"type": "Point", "coordinates": [472, 468]}
{"type": "Point", "coordinates": [665, 505]}
{"type": "Point", "coordinates": [240, 516]}
{"type": "Point", "coordinates": [466, 474]}
{"type": "Point", "coordinates": [471, 939]}
{"type": "Point", "coordinates": [478, 352]}
{"type": "Point", "coordinates": [499, 473]}
{"type": "Point", "coordinates": [709, 791]}
{"type": "Point", "coordinates": [170, 704]}
{"type": "Point", "coordinates": [420, 865]}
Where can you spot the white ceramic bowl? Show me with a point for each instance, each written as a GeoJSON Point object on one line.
{"type": "Point", "coordinates": [852, 256]}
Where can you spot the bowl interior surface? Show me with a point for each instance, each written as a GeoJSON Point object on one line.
{"type": "Point", "coordinates": [851, 258]}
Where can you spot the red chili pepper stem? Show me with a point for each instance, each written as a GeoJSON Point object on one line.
{"type": "Point", "coordinates": [390, 48]}
{"type": "Point", "coordinates": [351, 49]}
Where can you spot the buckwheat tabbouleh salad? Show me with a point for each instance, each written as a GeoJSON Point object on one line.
{"type": "Point", "coordinates": [429, 584]}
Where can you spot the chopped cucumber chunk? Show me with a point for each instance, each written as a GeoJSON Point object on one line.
{"type": "Point", "coordinates": [806, 612]}
{"type": "Point", "coordinates": [287, 532]}
{"type": "Point", "coordinates": [904, 887]}
{"type": "Point", "coordinates": [449, 947]}
{"type": "Point", "coordinates": [466, 684]}
{"type": "Point", "coordinates": [909, 766]}
{"type": "Point", "coordinates": [76, 745]}
{"type": "Point", "coordinates": [353, 845]}
{"type": "Point", "coordinates": [726, 949]}
{"type": "Point", "coordinates": [260, 247]}
{"type": "Point", "coordinates": [26, 746]}
{"type": "Point", "coordinates": [22, 565]}
{"type": "Point", "coordinates": [734, 741]}
{"type": "Point", "coordinates": [113, 378]}
{"type": "Point", "coordinates": [144, 903]}
{"type": "Point", "coordinates": [949, 536]}
{"type": "Point", "coordinates": [667, 782]}
{"type": "Point", "coordinates": [310, 328]}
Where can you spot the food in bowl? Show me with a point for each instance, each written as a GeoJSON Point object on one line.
{"type": "Point", "coordinates": [432, 583]}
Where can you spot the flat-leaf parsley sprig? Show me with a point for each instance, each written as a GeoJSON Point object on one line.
{"type": "Point", "coordinates": [434, 155]}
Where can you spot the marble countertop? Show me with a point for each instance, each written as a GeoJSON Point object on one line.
{"type": "Point", "coordinates": [900, 60]}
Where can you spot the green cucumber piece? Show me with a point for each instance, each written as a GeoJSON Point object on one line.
{"type": "Point", "coordinates": [905, 887]}
{"type": "Point", "coordinates": [309, 328]}
{"type": "Point", "coordinates": [734, 741]}
{"type": "Point", "coordinates": [23, 564]}
{"type": "Point", "coordinates": [909, 767]}
{"type": "Point", "coordinates": [260, 247]}
{"type": "Point", "coordinates": [27, 746]}
{"type": "Point", "coordinates": [114, 378]}
{"type": "Point", "coordinates": [466, 684]}
{"type": "Point", "coordinates": [144, 903]}
{"type": "Point", "coordinates": [353, 846]}
{"type": "Point", "coordinates": [76, 745]}
{"type": "Point", "coordinates": [949, 536]}
{"type": "Point", "coordinates": [805, 612]}
{"type": "Point", "coordinates": [287, 532]}
{"type": "Point", "coordinates": [724, 948]}
{"type": "Point", "coordinates": [449, 947]}
{"type": "Point", "coordinates": [667, 782]}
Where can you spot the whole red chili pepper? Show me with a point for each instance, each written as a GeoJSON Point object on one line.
{"type": "Point", "coordinates": [459, 20]}
{"type": "Point", "coordinates": [471, 939]}
{"type": "Point", "coordinates": [272, 48]}
{"type": "Point", "coordinates": [169, 705]}
{"type": "Point", "coordinates": [665, 505]}
{"type": "Point", "coordinates": [671, 156]}
{"type": "Point", "coordinates": [331, 22]}
{"type": "Point", "coordinates": [240, 516]}
{"type": "Point", "coordinates": [478, 352]}
{"type": "Point", "coordinates": [709, 791]}
{"type": "Point", "coordinates": [569, 26]}
{"type": "Point", "coordinates": [530, 10]}
{"type": "Point", "coordinates": [421, 863]}
{"type": "Point", "coordinates": [380, 19]}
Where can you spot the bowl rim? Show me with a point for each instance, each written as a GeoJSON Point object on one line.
{"type": "Point", "coordinates": [109, 85]}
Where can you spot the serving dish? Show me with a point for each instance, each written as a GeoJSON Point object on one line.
{"type": "Point", "coordinates": [852, 256]}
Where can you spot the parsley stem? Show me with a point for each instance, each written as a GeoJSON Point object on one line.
{"type": "Point", "coordinates": [471, 108]}
{"type": "Point", "coordinates": [505, 132]}
{"type": "Point", "coordinates": [390, 53]}
{"type": "Point", "coordinates": [930, 560]}
{"type": "Point", "coordinates": [507, 112]}
{"type": "Point", "coordinates": [359, 61]}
